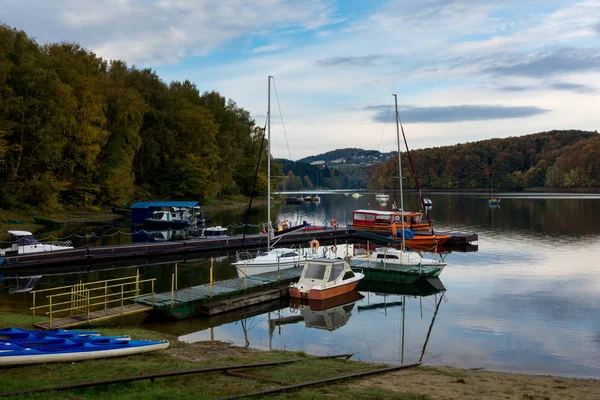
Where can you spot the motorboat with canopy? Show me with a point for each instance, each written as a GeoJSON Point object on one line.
{"type": "Point", "coordinates": [323, 278]}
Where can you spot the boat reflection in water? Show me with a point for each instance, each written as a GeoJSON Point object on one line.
{"type": "Point", "coordinates": [329, 314]}
{"type": "Point", "coordinates": [378, 322]}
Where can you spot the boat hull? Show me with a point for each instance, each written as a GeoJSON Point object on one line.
{"type": "Point", "coordinates": [79, 356]}
{"type": "Point", "coordinates": [322, 294]}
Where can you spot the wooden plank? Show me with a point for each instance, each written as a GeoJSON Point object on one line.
{"type": "Point", "coordinates": [243, 301]}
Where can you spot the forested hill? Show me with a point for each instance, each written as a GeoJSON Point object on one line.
{"type": "Point", "coordinates": [349, 156]}
{"type": "Point", "coordinates": [555, 159]}
{"type": "Point", "coordinates": [78, 130]}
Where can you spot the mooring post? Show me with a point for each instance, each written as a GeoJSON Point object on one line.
{"type": "Point", "coordinates": [368, 249]}
{"type": "Point", "coordinates": [211, 275]}
{"type": "Point", "coordinates": [50, 312]}
{"type": "Point", "coordinates": [172, 288]}
{"type": "Point", "coordinates": [347, 255]}
{"type": "Point", "coordinates": [384, 258]}
{"type": "Point", "coordinates": [176, 284]}
{"type": "Point", "coordinates": [33, 310]}
{"type": "Point", "coordinates": [278, 271]}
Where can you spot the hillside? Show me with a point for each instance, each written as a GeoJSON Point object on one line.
{"type": "Point", "coordinates": [349, 156]}
{"type": "Point", "coordinates": [77, 130]}
{"type": "Point", "coordinates": [555, 159]}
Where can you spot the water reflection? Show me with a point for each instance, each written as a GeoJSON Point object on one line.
{"type": "Point", "coordinates": [375, 326]}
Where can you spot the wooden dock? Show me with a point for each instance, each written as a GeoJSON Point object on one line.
{"type": "Point", "coordinates": [223, 296]}
{"type": "Point", "coordinates": [95, 316]}
{"type": "Point", "coordinates": [235, 294]}
{"type": "Point", "coordinates": [94, 255]}
{"type": "Point", "coordinates": [90, 255]}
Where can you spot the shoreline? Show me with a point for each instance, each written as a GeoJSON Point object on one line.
{"type": "Point", "coordinates": [423, 382]}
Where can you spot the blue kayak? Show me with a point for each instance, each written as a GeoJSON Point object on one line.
{"type": "Point", "coordinates": [20, 346]}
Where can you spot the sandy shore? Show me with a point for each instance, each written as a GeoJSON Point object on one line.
{"type": "Point", "coordinates": [453, 383]}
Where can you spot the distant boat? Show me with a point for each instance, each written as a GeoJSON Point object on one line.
{"type": "Point", "coordinates": [356, 195]}
{"type": "Point", "coordinates": [25, 243]}
{"type": "Point", "coordinates": [121, 211]}
{"type": "Point", "coordinates": [493, 202]}
{"type": "Point", "coordinates": [427, 202]}
{"type": "Point", "coordinates": [22, 347]}
{"type": "Point", "coordinates": [215, 231]}
{"type": "Point", "coordinates": [382, 196]}
{"type": "Point", "coordinates": [47, 222]}
{"type": "Point", "coordinates": [167, 219]}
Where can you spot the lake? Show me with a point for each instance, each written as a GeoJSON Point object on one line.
{"type": "Point", "coordinates": [526, 301]}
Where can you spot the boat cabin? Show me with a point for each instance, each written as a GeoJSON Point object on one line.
{"type": "Point", "coordinates": [376, 219]}
{"type": "Point", "coordinates": [323, 278]}
{"type": "Point", "coordinates": [25, 243]}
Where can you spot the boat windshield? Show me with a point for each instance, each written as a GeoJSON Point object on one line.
{"type": "Point", "coordinates": [157, 215]}
{"type": "Point", "coordinates": [315, 271]}
{"type": "Point", "coordinates": [336, 270]}
{"type": "Point", "coordinates": [27, 240]}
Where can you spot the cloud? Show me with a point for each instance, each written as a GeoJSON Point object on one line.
{"type": "Point", "coordinates": [548, 63]}
{"type": "Point", "coordinates": [267, 49]}
{"type": "Point", "coordinates": [574, 87]}
{"type": "Point", "coordinates": [455, 113]}
{"type": "Point", "coordinates": [163, 31]}
{"type": "Point", "coordinates": [353, 61]}
{"type": "Point", "coordinates": [597, 27]}
{"type": "Point", "coordinates": [567, 86]}
{"type": "Point", "coordinates": [515, 88]}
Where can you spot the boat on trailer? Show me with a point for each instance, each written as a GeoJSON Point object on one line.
{"type": "Point", "coordinates": [22, 347]}
{"type": "Point", "coordinates": [323, 278]}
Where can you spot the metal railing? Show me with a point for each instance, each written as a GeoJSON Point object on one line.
{"type": "Point", "coordinates": [83, 299]}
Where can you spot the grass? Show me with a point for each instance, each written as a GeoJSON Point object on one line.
{"type": "Point", "coordinates": [182, 356]}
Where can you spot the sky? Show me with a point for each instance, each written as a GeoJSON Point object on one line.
{"type": "Point", "coordinates": [463, 70]}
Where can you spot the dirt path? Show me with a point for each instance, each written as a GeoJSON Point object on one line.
{"type": "Point", "coordinates": [453, 383]}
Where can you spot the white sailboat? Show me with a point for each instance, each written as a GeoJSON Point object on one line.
{"type": "Point", "coordinates": [392, 255]}
{"type": "Point", "coordinates": [273, 258]}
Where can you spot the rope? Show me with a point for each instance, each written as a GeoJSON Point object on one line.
{"type": "Point", "coordinates": [281, 116]}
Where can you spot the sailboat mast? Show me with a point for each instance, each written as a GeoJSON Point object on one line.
{"type": "Point", "coordinates": [269, 164]}
{"type": "Point", "coordinates": [400, 172]}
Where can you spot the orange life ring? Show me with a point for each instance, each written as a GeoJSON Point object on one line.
{"type": "Point", "coordinates": [334, 222]}
{"type": "Point", "coordinates": [314, 243]}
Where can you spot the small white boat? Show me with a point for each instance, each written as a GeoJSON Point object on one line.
{"type": "Point", "coordinates": [382, 197]}
{"type": "Point", "coordinates": [215, 231]}
{"type": "Point", "coordinates": [396, 257]}
{"type": "Point", "coordinates": [427, 202]}
{"type": "Point", "coordinates": [268, 261]}
{"type": "Point", "coordinates": [356, 195]}
{"type": "Point", "coordinates": [25, 243]}
{"type": "Point", "coordinates": [323, 278]}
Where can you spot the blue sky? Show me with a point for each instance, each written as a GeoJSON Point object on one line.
{"type": "Point", "coordinates": [464, 70]}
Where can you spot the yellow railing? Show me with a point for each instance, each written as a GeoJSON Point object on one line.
{"type": "Point", "coordinates": [85, 298]}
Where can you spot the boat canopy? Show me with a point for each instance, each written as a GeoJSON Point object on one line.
{"type": "Point", "coordinates": [24, 238]}
{"type": "Point", "coordinates": [317, 270]}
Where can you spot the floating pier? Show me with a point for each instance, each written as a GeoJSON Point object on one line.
{"type": "Point", "coordinates": [92, 255]}
{"type": "Point", "coordinates": [234, 294]}
{"type": "Point", "coordinates": [219, 297]}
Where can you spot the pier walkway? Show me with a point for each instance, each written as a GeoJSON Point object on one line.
{"type": "Point", "coordinates": [222, 296]}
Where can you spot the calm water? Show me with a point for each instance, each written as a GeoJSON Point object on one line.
{"type": "Point", "coordinates": [526, 301]}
